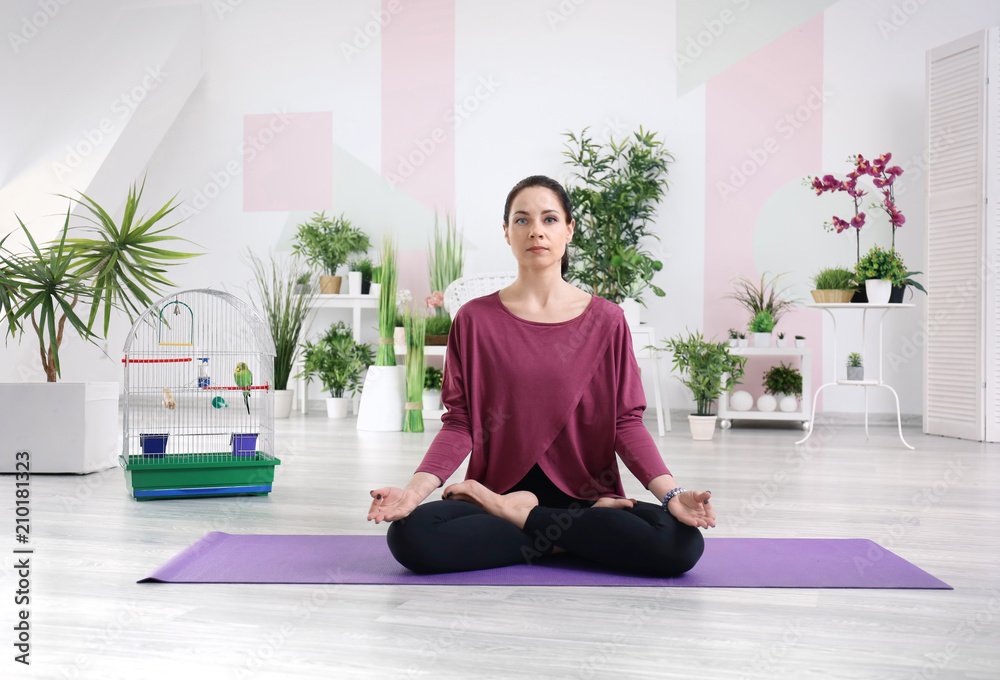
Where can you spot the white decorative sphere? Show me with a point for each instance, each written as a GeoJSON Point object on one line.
{"type": "Point", "coordinates": [766, 403]}
{"type": "Point", "coordinates": [741, 400]}
{"type": "Point", "coordinates": [789, 403]}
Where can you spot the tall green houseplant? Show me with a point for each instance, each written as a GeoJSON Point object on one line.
{"type": "Point", "coordinates": [277, 294]}
{"type": "Point", "coordinates": [111, 265]}
{"type": "Point", "coordinates": [620, 185]}
{"type": "Point", "coordinates": [445, 259]}
{"type": "Point", "coordinates": [703, 364]}
{"type": "Point", "coordinates": [329, 243]}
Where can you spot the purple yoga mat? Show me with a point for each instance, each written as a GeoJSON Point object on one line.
{"type": "Point", "coordinates": [727, 563]}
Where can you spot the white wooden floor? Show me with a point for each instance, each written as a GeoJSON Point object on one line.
{"type": "Point", "coordinates": [938, 507]}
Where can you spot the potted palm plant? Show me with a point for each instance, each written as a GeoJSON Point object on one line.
{"type": "Point", "coordinates": [855, 367]}
{"type": "Point", "coordinates": [706, 368]}
{"type": "Point", "coordinates": [286, 312]}
{"type": "Point", "coordinates": [112, 265]}
{"type": "Point", "coordinates": [338, 361]}
{"type": "Point", "coordinates": [621, 183]}
{"type": "Point", "coordinates": [328, 244]}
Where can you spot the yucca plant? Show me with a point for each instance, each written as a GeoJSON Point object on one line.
{"type": "Point", "coordinates": [121, 268]}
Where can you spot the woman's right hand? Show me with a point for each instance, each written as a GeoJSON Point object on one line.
{"type": "Point", "coordinates": [391, 503]}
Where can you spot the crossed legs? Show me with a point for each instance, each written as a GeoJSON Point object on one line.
{"type": "Point", "coordinates": [478, 529]}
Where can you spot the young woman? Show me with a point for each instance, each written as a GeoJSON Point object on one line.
{"type": "Point", "coordinates": [542, 386]}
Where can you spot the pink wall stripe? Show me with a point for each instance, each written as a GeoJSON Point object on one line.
{"type": "Point", "coordinates": [750, 143]}
{"type": "Point", "coordinates": [418, 92]}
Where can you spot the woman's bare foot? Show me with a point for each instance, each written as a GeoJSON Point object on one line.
{"type": "Point", "coordinates": [513, 507]}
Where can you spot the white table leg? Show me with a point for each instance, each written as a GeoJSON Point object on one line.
{"type": "Point", "coordinates": [661, 425]}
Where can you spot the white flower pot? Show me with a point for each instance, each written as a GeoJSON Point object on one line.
{"type": "Point", "coordinates": [788, 403]}
{"type": "Point", "coordinates": [631, 308]}
{"type": "Point", "coordinates": [878, 291]}
{"type": "Point", "coordinates": [354, 283]}
{"type": "Point", "coordinates": [744, 342]}
{"type": "Point", "coordinates": [702, 427]}
{"type": "Point", "coordinates": [432, 400]}
{"type": "Point", "coordinates": [734, 342]}
{"type": "Point", "coordinates": [336, 407]}
{"type": "Point", "coordinates": [382, 399]}
{"type": "Point", "coordinates": [375, 289]}
{"type": "Point", "coordinates": [800, 343]}
{"type": "Point", "coordinates": [855, 372]}
{"type": "Point", "coordinates": [741, 400]}
{"type": "Point", "coordinates": [761, 339]}
{"type": "Point", "coordinates": [283, 403]}
{"type": "Point", "coordinates": [781, 342]}
{"type": "Point", "coordinates": [766, 403]}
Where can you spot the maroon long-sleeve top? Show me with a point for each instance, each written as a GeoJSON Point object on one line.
{"type": "Point", "coordinates": [566, 396]}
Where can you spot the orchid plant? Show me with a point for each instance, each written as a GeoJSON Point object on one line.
{"type": "Point", "coordinates": [883, 177]}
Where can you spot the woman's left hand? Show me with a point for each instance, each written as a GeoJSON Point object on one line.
{"type": "Point", "coordinates": [693, 508]}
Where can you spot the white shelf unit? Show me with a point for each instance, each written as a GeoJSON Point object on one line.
{"type": "Point", "coordinates": [728, 415]}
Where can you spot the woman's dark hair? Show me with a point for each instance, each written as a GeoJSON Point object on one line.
{"type": "Point", "coordinates": [558, 190]}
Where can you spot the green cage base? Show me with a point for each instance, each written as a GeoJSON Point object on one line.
{"type": "Point", "coordinates": [163, 478]}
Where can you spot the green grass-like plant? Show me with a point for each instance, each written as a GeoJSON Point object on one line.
{"type": "Point", "coordinates": [285, 310]}
{"type": "Point", "coordinates": [765, 296]}
{"type": "Point", "coordinates": [446, 258]}
{"type": "Point", "coordinates": [414, 325]}
{"type": "Point", "coordinates": [439, 324]}
{"type": "Point", "coordinates": [834, 278]}
{"type": "Point", "coordinates": [387, 304]}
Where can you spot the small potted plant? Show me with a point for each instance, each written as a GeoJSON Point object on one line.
{"type": "Point", "coordinates": [742, 339]}
{"type": "Point", "coordinates": [338, 361]}
{"type": "Point", "coordinates": [328, 244]}
{"type": "Point", "coordinates": [833, 285]}
{"type": "Point", "coordinates": [707, 368]}
{"type": "Point", "coordinates": [855, 367]}
{"type": "Point", "coordinates": [784, 384]}
{"type": "Point", "coordinates": [303, 284]}
{"type": "Point", "coordinates": [764, 296]}
{"type": "Point", "coordinates": [880, 270]}
{"type": "Point", "coordinates": [734, 338]}
{"type": "Point", "coordinates": [800, 341]}
{"type": "Point", "coordinates": [366, 268]}
{"type": "Point", "coordinates": [780, 341]}
{"type": "Point", "coordinates": [433, 379]}
{"type": "Point", "coordinates": [761, 326]}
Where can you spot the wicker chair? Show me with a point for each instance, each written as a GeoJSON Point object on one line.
{"type": "Point", "coordinates": [467, 288]}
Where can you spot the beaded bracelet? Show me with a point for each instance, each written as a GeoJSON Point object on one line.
{"type": "Point", "coordinates": [671, 494]}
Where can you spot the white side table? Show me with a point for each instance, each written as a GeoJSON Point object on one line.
{"type": "Point", "coordinates": [353, 302]}
{"type": "Point", "coordinates": [642, 336]}
{"type": "Point", "coordinates": [863, 308]}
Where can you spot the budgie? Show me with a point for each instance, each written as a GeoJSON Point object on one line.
{"type": "Point", "coordinates": [244, 379]}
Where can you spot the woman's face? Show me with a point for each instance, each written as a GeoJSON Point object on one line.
{"type": "Point", "coordinates": [536, 228]}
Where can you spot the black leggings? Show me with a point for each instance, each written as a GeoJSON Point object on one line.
{"type": "Point", "coordinates": [447, 536]}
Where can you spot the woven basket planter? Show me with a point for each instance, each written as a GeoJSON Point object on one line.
{"type": "Point", "coordinates": [825, 297]}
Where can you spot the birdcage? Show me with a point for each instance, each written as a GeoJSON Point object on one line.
{"type": "Point", "coordinates": [198, 399]}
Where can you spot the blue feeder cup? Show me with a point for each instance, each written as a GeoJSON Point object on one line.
{"type": "Point", "coordinates": [153, 445]}
{"type": "Point", "coordinates": [243, 444]}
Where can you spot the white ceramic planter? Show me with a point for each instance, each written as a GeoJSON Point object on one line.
{"type": "Point", "coordinates": [800, 343]}
{"type": "Point", "coordinates": [382, 399]}
{"type": "Point", "coordinates": [878, 291]}
{"type": "Point", "coordinates": [855, 372]}
{"type": "Point", "coordinates": [631, 308]}
{"type": "Point", "coordinates": [283, 403]}
{"type": "Point", "coordinates": [354, 283]}
{"type": "Point", "coordinates": [432, 400]}
{"type": "Point", "coordinates": [336, 407]}
{"type": "Point", "coordinates": [702, 427]}
{"type": "Point", "coordinates": [761, 339]}
{"type": "Point", "coordinates": [375, 289]}
{"type": "Point", "coordinates": [66, 427]}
